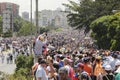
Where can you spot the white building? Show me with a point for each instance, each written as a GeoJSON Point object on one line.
{"type": "Point", "coordinates": [8, 11]}
{"type": "Point", "coordinates": [52, 18]}
{"type": "Point", "coordinates": [7, 20]}
{"type": "Point", "coordinates": [25, 16]}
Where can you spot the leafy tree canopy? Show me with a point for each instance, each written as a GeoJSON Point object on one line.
{"type": "Point", "coordinates": [0, 25]}
{"type": "Point", "coordinates": [18, 23]}
{"type": "Point", "coordinates": [106, 30]}
{"type": "Point", "coordinates": [25, 29]}
{"type": "Point", "coordinates": [84, 12]}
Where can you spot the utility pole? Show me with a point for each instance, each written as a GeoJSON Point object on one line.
{"type": "Point", "coordinates": [31, 26]}
{"type": "Point", "coordinates": [37, 29]}
{"type": "Point", "coordinates": [31, 17]}
{"type": "Point", "coordinates": [11, 24]}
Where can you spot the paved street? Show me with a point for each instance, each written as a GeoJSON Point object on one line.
{"type": "Point", "coordinates": [7, 68]}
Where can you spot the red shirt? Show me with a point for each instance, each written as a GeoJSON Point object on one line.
{"type": "Point", "coordinates": [88, 69]}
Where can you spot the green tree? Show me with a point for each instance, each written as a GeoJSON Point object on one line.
{"type": "Point", "coordinates": [18, 22]}
{"type": "Point", "coordinates": [84, 12]}
{"type": "Point", "coordinates": [0, 24]}
{"type": "Point", "coordinates": [43, 29]}
{"type": "Point", "coordinates": [106, 31]}
{"type": "Point", "coordinates": [8, 33]}
{"type": "Point", "coordinates": [25, 29]}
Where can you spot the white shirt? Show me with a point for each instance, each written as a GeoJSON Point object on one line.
{"type": "Point", "coordinates": [68, 68]}
{"type": "Point", "coordinates": [40, 73]}
{"type": "Point", "coordinates": [38, 47]}
{"type": "Point", "coordinates": [48, 68]}
{"type": "Point", "coordinates": [113, 63]}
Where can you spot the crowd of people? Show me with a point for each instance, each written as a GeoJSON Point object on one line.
{"type": "Point", "coordinates": [12, 47]}
{"type": "Point", "coordinates": [58, 56]}
{"type": "Point", "coordinates": [65, 55]}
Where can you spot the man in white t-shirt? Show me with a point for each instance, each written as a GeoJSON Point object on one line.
{"type": "Point", "coordinates": [115, 59]}
{"type": "Point", "coordinates": [41, 73]}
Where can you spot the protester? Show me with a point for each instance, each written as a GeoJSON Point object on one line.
{"type": "Point", "coordinates": [98, 67]}
{"type": "Point", "coordinates": [117, 75]}
{"type": "Point", "coordinates": [115, 59]}
{"type": "Point", "coordinates": [69, 68]}
{"type": "Point", "coordinates": [66, 56]}
{"type": "Point", "coordinates": [38, 48]}
{"type": "Point", "coordinates": [109, 75]}
{"type": "Point", "coordinates": [34, 68]}
{"type": "Point", "coordinates": [41, 73]}
{"type": "Point", "coordinates": [2, 57]}
{"type": "Point", "coordinates": [58, 58]}
{"type": "Point", "coordinates": [87, 65]}
{"type": "Point", "coordinates": [63, 74]}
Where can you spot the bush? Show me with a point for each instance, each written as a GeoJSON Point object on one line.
{"type": "Point", "coordinates": [23, 70]}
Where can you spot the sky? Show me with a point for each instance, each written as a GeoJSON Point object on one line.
{"type": "Point", "coordinates": [43, 4]}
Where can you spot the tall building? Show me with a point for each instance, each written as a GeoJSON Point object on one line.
{"type": "Point", "coordinates": [8, 12]}
{"type": "Point", "coordinates": [25, 16]}
{"type": "Point", "coordinates": [9, 6]}
{"type": "Point", "coordinates": [7, 20]}
{"type": "Point", "coordinates": [52, 18]}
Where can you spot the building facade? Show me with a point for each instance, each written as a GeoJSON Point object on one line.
{"type": "Point", "coordinates": [52, 18]}
{"type": "Point", "coordinates": [9, 6]}
{"type": "Point", "coordinates": [7, 20]}
{"type": "Point", "coordinates": [8, 11]}
{"type": "Point", "coordinates": [25, 16]}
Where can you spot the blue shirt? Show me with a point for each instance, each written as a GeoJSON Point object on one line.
{"type": "Point", "coordinates": [61, 64]}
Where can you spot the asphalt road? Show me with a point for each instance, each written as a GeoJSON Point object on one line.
{"type": "Point", "coordinates": [7, 68]}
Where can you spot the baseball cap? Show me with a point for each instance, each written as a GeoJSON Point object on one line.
{"type": "Point", "coordinates": [75, 66]}
{"type": "Point", "coordinates": [70, 60]}
{"type": "Point", "coordinates": [98, 57]}
{"type": "Point", "coordinates": [80, 65]}
{"type": "Point", "coordinates": [86, 59]}
{"type": "Point", "coordinates": [108, 67]}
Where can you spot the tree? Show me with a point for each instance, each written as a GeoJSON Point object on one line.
{"type": "Point", "coordinates": [7, 34]}
{"type": "Point", "coordinates": [0, 24]}
{"type": "Point", "coordinates": [25, 29]}
{"type": "Point", "coordinates": [106, 31]}
{"type": "Point", "coordinates": [43, 29]}
{"type": "Point", "coordinates": [18, 23]}
{"type": "Point", "coordinates": [85, 11]}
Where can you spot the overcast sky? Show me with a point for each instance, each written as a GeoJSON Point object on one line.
{"type": "Point", "coordinates": [43, 4]}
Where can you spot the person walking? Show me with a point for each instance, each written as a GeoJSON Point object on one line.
{"type": "Point", "coordinates": [2, 58]}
